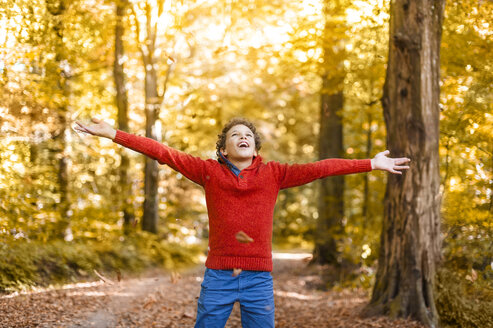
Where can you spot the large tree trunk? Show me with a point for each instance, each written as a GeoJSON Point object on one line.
{"type": "Point", "coordinates": [410, 244]}
{"type": "Point", "coordinates": [60, 73]}
{"type": "Point", "coordinates": [125, 185]}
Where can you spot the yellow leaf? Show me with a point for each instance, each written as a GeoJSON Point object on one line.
{"type": "Point", "coordinates": [243, 238]}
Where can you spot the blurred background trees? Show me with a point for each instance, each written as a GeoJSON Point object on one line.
{"type": "Point", "coordinates": [195, 64]}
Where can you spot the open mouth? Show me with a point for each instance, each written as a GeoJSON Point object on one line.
{"type": "Point", "coordinates": [243, 144]}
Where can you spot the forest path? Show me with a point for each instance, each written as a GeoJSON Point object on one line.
{"type": "Point", "coordinates": [158, 300]}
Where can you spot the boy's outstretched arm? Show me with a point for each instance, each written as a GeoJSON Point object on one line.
{"type": "Point", "coordinates": [393, 165]}
{"type": "Point", "coordinates": [191, 167]}
{"type": "Point", "coordinates": [300, 174]}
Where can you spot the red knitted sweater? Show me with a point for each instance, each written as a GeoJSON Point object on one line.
{"type": "Point", "coordinates": [240, 203]}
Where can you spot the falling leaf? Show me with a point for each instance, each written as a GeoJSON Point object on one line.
{"type": "Point", "coordinates": [243, 238]}
{"type": "Point", "coordinates": [236, 272]}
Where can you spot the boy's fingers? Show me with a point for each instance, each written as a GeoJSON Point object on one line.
{"type": "Point", "coordinates": [80, 125]}
{"type": "Point", "coordinates": [83, 128]}
{"type": "Point", "coordinates": [79, 128]}
{"type": "Point", "coordinates": [401, 160]}
{"type": "Point", "coordinates": [95, 120]}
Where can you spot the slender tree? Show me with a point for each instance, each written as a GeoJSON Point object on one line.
{"type": "Point", "coordinates": [59, 71]}
{"type": "Point", "coordinates": [153, 103]}
{"type": "Point", "coordinates": [122, 105]}
{"type": "Point", "coordinates": [331, 196]}
{"type": "Point", "coordinates": [410, 241]}
{"type": "Point", "coordinates": [366, 188]}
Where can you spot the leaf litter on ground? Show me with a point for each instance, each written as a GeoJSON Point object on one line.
{"type": "Point", "coordinates": [150, 301]}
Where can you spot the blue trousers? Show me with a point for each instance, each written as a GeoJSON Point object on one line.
{"type": "Point", "coordinates": [220, 290]}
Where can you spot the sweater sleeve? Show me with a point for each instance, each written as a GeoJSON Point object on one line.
{"type": "Point", "coordinates": [300, 174]}
{"type": "Point", "coordinates": [191, 167]}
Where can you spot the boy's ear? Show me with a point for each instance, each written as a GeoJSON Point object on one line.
{"type": "Point", "coordinates": [223, 151]}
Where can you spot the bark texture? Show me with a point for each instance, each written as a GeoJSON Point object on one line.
{"type": "Point", "coordinates": [59, 70]}
{"type": "Point", "coordinates": [125, 184]}
{"type": "Point", "coordinates": [410, 241]}
{"type": "Point", "coordinates": [151, 171]}
{"type": "Point", "coordinates": [366, 188]}
{"type": "Point", "coordinates": [153, 103]}
{"type": "Point", "coordinates": [331, 197]}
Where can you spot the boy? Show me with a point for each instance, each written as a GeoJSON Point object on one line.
{"type": "Point", "coordinates": [240, 192]}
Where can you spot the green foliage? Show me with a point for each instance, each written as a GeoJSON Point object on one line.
{"type": "Point", "coordinates": [466, 126]}
{"type": "Point", "coordinates": [25, 264]}
{"type": "Point", "coordinates": [464, 303]}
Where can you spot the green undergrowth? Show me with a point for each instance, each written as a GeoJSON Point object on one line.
{"type": "Point", "coordinates": [24, 263]}
{"type": "Point", "coordinates": [464, 300]}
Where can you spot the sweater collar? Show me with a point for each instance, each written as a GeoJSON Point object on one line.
{"type": "Point", "coordinates": [223, 159]}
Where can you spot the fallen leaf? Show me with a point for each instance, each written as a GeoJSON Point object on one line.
{"type": "Point", "coordinates": [473, 276]}
{"type": "Point", "coordinates": [308, 259]}
{"type": "Point", "coordinates": [149, 301]}
{"type": "Point", "coordinates": [187, 315]}
{"type": "Point", "coordinates": [175, 276]}
{"type": "Point", "coordinates": [103, 278]}
{"type": "Point", "coordinates": [243, 238]}
{"type": "Point", "coordinates": [236, 272]}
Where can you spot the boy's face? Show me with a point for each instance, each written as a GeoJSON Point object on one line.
{"type": "Point", "coordinates": [240, 143]}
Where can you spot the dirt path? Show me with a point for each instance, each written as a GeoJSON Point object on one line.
{"type": "Point", "coordinates": [159, 300]}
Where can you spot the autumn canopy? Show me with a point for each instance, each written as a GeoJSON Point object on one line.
{"type": "Point", "coordinates": [320, 79]}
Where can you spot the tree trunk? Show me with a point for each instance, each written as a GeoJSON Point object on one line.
{"type": "Point", "coordinates": [410, 241]}
{"type": "Point", "coordinates": [152, 105]}
{"type": "Point", "coordinates": [125, 184]}
{"type": "Point", "coordinates": [61, 74]}
{"type": "Point", "coordinates": [366, 192]}
{"type": "Point", "coordinates": [331, 197]}
{"type": "Point", "coordinates": [151, 171]}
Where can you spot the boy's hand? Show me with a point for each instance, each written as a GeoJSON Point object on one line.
{"type": "Point", "coordinates": [100, 128]}
{"type": "Point", "coordinates": [382, 162]}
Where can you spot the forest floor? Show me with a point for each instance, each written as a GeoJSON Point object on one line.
{"type": "Point", "coordinates": [159, 299]}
